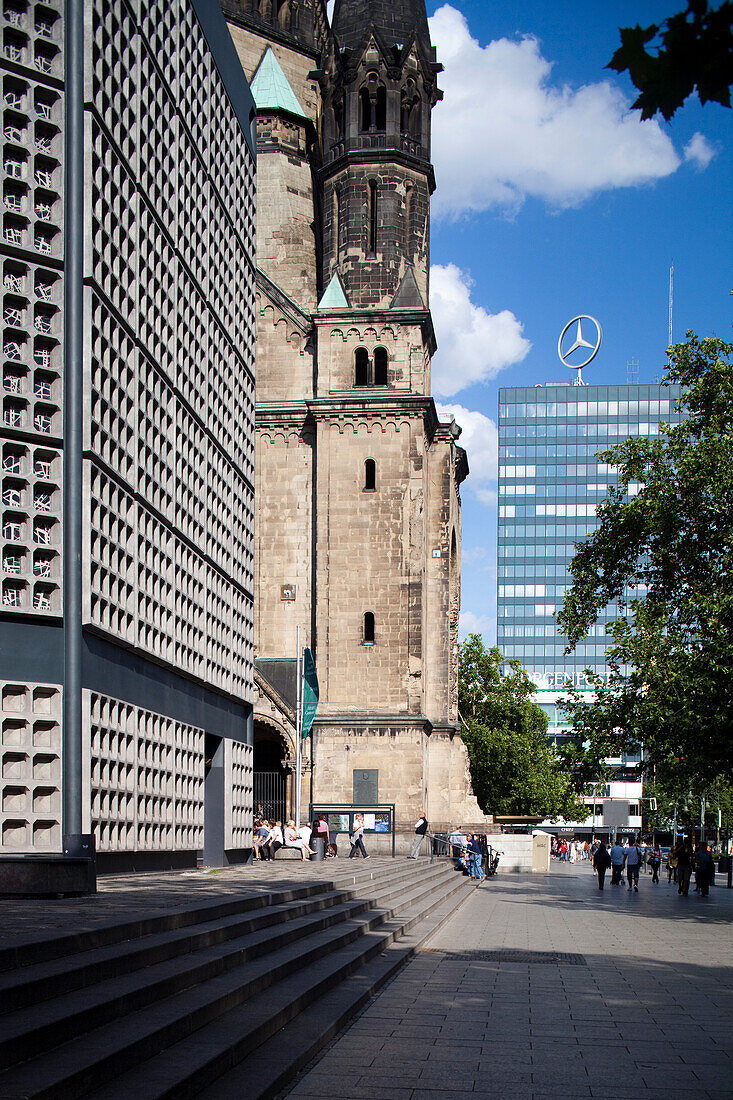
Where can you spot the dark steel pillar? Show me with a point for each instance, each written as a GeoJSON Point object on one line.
{"type": "Point", "coordinates": [73, 418]}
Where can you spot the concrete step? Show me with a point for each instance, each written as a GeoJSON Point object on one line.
{"type": "Point", "coordinates": [256, 1036]}
{"type": "Point", "coordinates": [254, 896]}
{"type": "Point", "coordinates": [40, 1027]}
{"type": "Point", "coordinates": [188, 983]}
{"type": "Point", "coordinates": [273, 1065]}
{"type": "Point", "coordinates": [30, 1030]}
{"type": "Point", "coordinates": [29, 985]}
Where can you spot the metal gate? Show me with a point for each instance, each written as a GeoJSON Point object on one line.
{"type": "Point", "coordinates": [269, 795]}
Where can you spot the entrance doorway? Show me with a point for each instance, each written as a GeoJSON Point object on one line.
{"type": "Point", "coordinates": [213, 801]}
{"type": "Point", "coordinates": [270, 778]}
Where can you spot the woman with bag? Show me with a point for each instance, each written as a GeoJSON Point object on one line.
{"type": "Point", "coordinates": [356, 835]}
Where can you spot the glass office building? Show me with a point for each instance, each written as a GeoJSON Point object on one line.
{"type": "Point", "coordinates": [551, 482]}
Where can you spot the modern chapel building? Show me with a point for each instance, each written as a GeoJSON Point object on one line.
{"type": "Point", "coordinates": [358, 516]}
{"type": "Point", "coordinates": [127, 431]}
{"type": "Point", "coordinates": [550, 484]}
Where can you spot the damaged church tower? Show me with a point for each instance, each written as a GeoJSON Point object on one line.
{"type": "Point", "coordinates": [358, 513]}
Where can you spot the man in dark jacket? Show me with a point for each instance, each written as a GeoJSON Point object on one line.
{"type": "Point", "coordinates": [601, 863]}
{"type": "Point", "coordinates": [421, 827]}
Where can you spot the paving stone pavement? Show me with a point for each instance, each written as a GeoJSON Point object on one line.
{"type": "Point", "coordinates": [543, 988]}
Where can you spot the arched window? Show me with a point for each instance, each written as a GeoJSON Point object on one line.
{"type": "Point", "coordinates": [381, 374]}
{"type": "Point", "coordinates": [368, 628]}
{"type": "Point", "coordinates": [283, 14]}
{"type": "Point", "coordinates": [373, 218]}
{"type": "Point", "coordinates": [366, 110]}
{"type": "Point", "coordinates": [361, 367]}
{"type": "Point", "coordinates": [380, 114]}
{"type": "Point", "coordinates": [370, 475]}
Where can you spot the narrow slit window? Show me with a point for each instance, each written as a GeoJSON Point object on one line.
{"type": "Point", "coordinates": [368, 628]}
{"type": "Point", "coordinates": [370, 475]}
{"type": "Point", "coordinates": [408, 220]}
{"type": "Point", "coordinates": [361, 367]}
{"type": "Point", "coordinates": [337, 225]}
{"type": "Point", "coordinates": [381, 360]}
{"type": "Point", "coordinates": [373, 213]}
{"type": "Point", "coordinates": [366, 110]}
{"type": "Point", "coordinates": [380, 120]}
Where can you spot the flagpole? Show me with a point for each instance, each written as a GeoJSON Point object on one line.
{"type": "Point", "coordinates": [298, 738]}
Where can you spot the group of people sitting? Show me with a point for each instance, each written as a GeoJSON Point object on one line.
{"type": "Point", "coordinates": [269, 835]}
{"type": "Point", "coordinates": [468, 853]}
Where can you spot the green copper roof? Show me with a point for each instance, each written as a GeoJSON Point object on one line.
{"type": "Point", "coordinates": [334, 298]}
{"type": "Point", "coordinates": [270, 87]}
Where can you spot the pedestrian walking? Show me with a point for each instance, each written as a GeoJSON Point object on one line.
{"type": "Point", "coordinates": [356, 837]}
{"type": "Point", "coordinates": [601, 863]}
{"type": "Point", "coordinates": [672, 864]}
{"type": "Point", "coordinates": [617, 864]}
{"type": "Point", "coordinates": [704, 869]}
{"type": "Point", "coordinates": [633, 864]}
{"type": "Point", "coordinates": [684, 867]}
{"type": "Point", "coordinates": [421, 828]}
{"type": "Point", "coordinates": [655, 862]}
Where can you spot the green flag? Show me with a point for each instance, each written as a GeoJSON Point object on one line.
{"type": "Point", "coordinates": [310, 692]}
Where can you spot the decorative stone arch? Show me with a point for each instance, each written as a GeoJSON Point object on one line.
{"type": "Point", "coordinates": [273, 765]}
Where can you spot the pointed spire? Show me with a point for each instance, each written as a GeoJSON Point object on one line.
{"type": "Point", "coordinates": [334, 297]}
{"type": "Point", "coordinates": [271, 89]}
{"type": "Point", "coordinates": [408, 294]}
{"type": "Point", "coordinates": [396, 20]}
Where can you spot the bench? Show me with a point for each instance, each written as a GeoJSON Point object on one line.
{"type": "Point", "coordinates": [287, 853]}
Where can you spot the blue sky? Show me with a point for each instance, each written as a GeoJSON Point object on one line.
{"type": "Point", "coordinates": [553, 200]}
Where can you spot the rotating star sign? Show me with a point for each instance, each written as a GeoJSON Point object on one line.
{"type": "Point", "coordinates": [574, 348]}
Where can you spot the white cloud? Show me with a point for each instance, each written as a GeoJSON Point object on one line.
{"type": "Point", "coordinates": [504, 132]}
{"type": "Point", "coordinates": [468, 623]}
{"type": "Point", "coordinates": [699, 151]}
{"type": "Point", "coordinates": [329, 10]}
{"type": "Point", "coordinates": [480, 440]}
{"type": "Point", "coordinates": [473, 345]}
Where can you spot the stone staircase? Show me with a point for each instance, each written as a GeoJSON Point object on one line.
{"type": "Point", "coordinates": [209, 1000]}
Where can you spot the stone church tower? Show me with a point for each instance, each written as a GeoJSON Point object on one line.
{"type": "Point", "coordinates": [358, 514]}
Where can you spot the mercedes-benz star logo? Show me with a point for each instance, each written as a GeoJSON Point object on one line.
{"type": "Point", "coordinates": [579, 343]}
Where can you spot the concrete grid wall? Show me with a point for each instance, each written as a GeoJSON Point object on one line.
{"type": "Point", "coordinates": [31, 430]}
{"type": "Point", "coordinates": [169, 410]}
{"type": "Point", "coordinates": [169, 466]}
{"type": "Point", "coordinates": [31, 250]}
{"type": "Point", "coordinates": [169, 436]}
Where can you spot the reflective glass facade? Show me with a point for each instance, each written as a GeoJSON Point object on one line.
{"type": "Point", "coordinates": [550, 484]}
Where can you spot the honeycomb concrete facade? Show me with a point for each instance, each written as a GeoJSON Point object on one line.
{"type": "Point", "coordinates": [168, 450]}
{"type": "Point", "coordinates": [358, 518]}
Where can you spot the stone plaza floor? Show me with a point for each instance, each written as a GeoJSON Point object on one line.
{"type": "Point", "coordinates": [542, 987]}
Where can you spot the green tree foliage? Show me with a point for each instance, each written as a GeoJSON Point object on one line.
{"type": "Point", "coordinates": [671, 793]}
{"type": "Point", "coordinates": [692, 49]}
{"type": "Point", "coordinates": [670, 687]}
{"type": "Point", "coordinates": [513, 768]}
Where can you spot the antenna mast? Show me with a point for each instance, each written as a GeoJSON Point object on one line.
{"type": "Point", "coordinates": [671, 296]}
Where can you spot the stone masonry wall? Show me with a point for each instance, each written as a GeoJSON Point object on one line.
{"type": "Point", "coordinates": [371, 278]}
{"type": "Point", "coordinates": [283, 537]}
{"type": "Point", "coordinates": [284, 354]}
{"type": "Point", "coordinates": [286, 245]}
{"type": "Point", "coordinates": [364, 565]}
{"type": "Point", "coordinates": [337, 344]}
